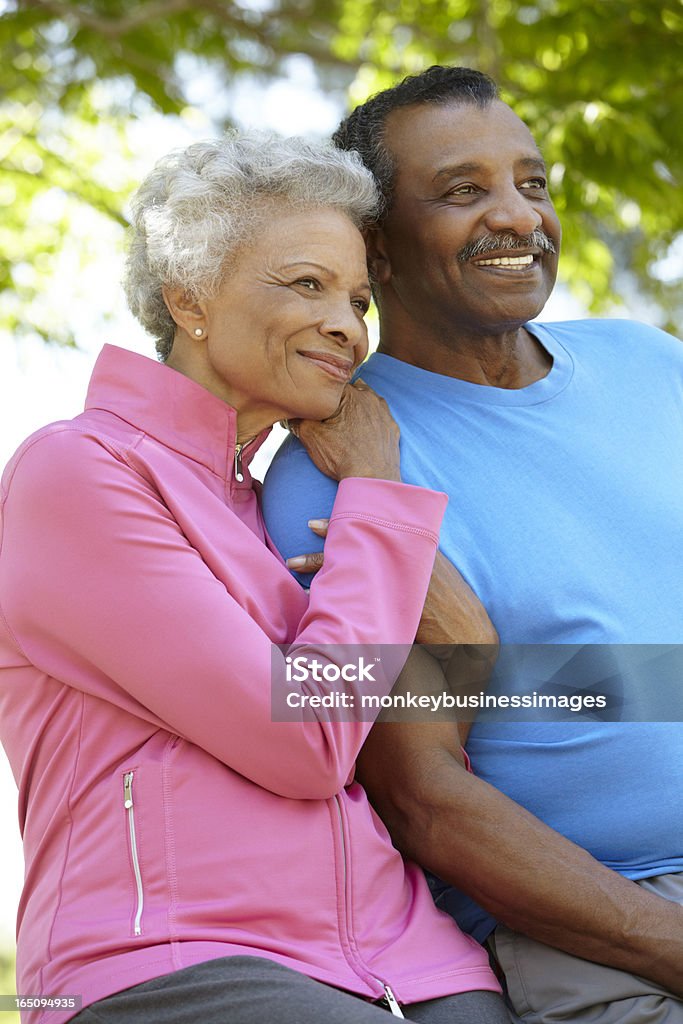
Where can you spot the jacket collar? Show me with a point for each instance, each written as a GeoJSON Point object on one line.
{"type": "Point", "coordinates": [168, 406]}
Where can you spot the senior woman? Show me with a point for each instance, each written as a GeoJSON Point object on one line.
{"type": "Point", "coordinates": [188, 857]}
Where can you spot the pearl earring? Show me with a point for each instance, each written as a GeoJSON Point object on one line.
{"type": "Point", "coordinates": [198, 331]}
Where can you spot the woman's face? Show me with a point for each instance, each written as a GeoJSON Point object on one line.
{"type": "Point", "coordinates": [286, 331]}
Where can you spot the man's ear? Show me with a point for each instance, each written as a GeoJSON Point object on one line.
{"type": "Point", "coordinates": [378, 261]}
{"type": "Point", "coordinates": [188, 313]}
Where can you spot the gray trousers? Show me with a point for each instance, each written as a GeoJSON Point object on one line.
{"type": "Point", "coordinates": [547, 986]}
{"type": "Point", "coordinates": [252, 990]}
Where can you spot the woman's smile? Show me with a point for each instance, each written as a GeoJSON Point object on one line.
{"type": "Point", "coordinates": [335, 366]}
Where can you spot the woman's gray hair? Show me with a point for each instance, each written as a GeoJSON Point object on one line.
{"type": "Point", "coordinates": [199, 205]}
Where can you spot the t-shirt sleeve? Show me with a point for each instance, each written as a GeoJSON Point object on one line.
{"type": "Point", "coordinates": [295, 491]}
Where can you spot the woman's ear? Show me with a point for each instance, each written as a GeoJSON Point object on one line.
{"type": "Point", "coordinates": [379, 266]}
{"type": "Point", "coordinates": [188, 313]}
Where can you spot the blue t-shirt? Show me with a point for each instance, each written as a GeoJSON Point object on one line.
{"type": "Point", "coordinates": [566, 518]}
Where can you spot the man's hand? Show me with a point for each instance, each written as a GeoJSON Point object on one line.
{"type": "Point", "coordinates": [520, 870]}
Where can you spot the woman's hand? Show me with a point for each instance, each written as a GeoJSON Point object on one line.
{"type": "Point", "coordinates": [313, 561]}
{"type": "Point", "coordinates": [458, 644]}
{"type": "Point", "coordinates": [360, 439]}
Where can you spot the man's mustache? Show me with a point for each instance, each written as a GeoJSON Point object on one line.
{"type": "Point", "coordinates": [506, 240]}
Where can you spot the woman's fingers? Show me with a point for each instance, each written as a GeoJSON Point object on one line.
{"type": "Point", "coordinates": [306, 563]}
{"type": "Point", "coordinates": [311, 562]}
{"type": "Point", "coordinates": [360, 439]}
{"type": "Point", "coordinates": [319, 526]}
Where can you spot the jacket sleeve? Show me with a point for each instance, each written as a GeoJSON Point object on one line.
{"type": "Point", "coordinates": [101, 589]}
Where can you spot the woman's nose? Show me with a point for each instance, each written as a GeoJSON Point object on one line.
{"type": "Point", "coordinates": [344, 323]}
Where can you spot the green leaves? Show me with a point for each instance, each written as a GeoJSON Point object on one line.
{"type": "Point", "coordinates": [7, 985]}
{"type": "Point", "coordinates": [598, 84]}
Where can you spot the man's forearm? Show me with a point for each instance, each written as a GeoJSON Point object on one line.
{"type": "Point", "coordinates": [522, 872]}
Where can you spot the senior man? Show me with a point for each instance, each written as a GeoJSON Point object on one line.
{"type": "Point", "coordinates": [561, 447]}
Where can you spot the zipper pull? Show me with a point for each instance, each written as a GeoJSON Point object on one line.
{"type": "Point", "coordinates": [128, 790]}
{"type": "Point", "coordinates": [392, 1002]}
{"type": "Point", "coordinates": [239, 475]}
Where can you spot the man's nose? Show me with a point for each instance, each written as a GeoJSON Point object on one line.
{"type": "Point", "coordinates": [511, 210]}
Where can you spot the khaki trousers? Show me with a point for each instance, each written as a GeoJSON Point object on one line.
{"type": "Point", "coordinates": [546, 986]}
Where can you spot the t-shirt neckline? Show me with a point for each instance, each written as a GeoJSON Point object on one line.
{"type": "Point", "coordinates": [548, 387]}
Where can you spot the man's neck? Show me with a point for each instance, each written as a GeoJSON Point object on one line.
{"type": "Point", "coordinates": [509, 359]}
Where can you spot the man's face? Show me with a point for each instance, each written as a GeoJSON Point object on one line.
{"type": "Point", "coordinates": [467, 175]}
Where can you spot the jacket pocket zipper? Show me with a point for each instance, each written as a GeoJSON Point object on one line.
{"type": "Point", "coordinates": [388, 1000]}
{"type": "Point", "coordinates": [130, 811]}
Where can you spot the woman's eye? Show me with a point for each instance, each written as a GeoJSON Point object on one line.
{"type": "Point", "coordinates": [362, 304]}
{"type": "Point", "coordinates": [308, 282]}
{"type": "Point", "coordinates": [462, 190]}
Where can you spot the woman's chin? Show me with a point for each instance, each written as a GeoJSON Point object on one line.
{"type": "Point", "coordinates": [317, 409]}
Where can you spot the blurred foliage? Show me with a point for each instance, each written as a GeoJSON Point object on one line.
{"type": "Point", "coordinates": [598, 84]}
{"type": "Point", "coordinates": [7, 984]}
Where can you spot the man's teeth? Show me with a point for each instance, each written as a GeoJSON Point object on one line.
{"type": "Point", "coordinates": [507, 261]}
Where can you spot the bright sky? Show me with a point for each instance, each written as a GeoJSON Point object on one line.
{"type": "Point", "coordinates": [40, 383]}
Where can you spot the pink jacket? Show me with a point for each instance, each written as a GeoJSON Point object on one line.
{"type": "Point", "coordinates": [167, 819]}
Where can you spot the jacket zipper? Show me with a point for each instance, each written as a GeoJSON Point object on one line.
{"type": "Point", "coordinates": [239, 475]}
{"type": "Point", "coordinates": [389, 998]}
{"type": "Point", "coordinates": [130, 811]}
{"type": "Point", "coordinates": [240, 448]}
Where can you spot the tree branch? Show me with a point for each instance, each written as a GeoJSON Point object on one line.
{"type": "Point", "coordinates": [116, 28]}
{"type": "Point", "coordinates": [90, 199]}
{"type": "Point", "coordinates": [112, 28]}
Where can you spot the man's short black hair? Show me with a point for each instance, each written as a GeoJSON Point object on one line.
{"type": "Point", "coordinates": [364, 129]}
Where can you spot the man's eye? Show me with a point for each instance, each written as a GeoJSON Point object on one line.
{"type": "Point", "coordinates": [537, 183]}
{"type": "Point", "coordinates": [308, 282]}
{"type": "Point", "coordinates": [362, 304]}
